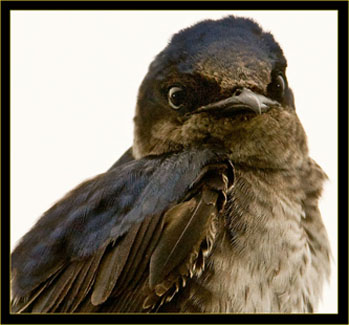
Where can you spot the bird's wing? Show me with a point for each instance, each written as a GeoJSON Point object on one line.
{"type": "Point", "coordinates": [125, 240]}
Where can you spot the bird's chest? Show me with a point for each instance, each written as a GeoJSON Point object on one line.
{"type": "Point", "coordinates": [261, 260]}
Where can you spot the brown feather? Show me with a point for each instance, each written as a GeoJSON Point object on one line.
{"type": "Point", "coordinates": [75, 296]}
{"type": "Point", "coordinates": [143, 256]}
{"type": "Point", "coordinates": [76, 268]}
{"type": "Point", "coordinates": [50, 297]}
{"type": "Point", "coordinates": [111, 267]}
{"type": "Point", "coordinates": [131, 265]}
{"type": "Point", "coordinates": [71, 295]}
{"type": "Point", "coordinates": [88, 279]}
{"type": "Point", "coordinates": [26, 303]}
{"type": "Point", "coordinates": [186, 226]}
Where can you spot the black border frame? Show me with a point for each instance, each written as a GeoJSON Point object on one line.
{"type": "Point", "coordinates": [341, 318]}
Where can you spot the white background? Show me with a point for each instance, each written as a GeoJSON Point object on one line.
{"type": "Point", "coordinates": [74, 82]}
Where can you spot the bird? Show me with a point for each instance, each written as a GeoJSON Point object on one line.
{"type": "Point", "coordinates": [214, 208]}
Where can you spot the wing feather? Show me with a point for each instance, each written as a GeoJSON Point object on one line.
{"type": "Point", "coordinates": [146, 240]}
{"type": "Point", "coordinates": [132, 236]}
{"type": "Point", "coordinates": [85, 282]}
{"type": "Point", "coordinates": [72, 295]}
{"type": "Point", "coordinates": [169, 251]}
{"type": "Point", "coordinates": [52, 296]}
{"type": "Point", "coordinates": [112, 265]}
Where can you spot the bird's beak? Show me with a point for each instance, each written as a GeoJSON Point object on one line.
{"type": "Point", "coordinates": [243, 100]}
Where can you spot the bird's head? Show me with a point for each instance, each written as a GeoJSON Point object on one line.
{"type": "Point", "coordinates": [220, 83]}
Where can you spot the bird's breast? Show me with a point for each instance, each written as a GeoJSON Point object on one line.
{"type": "Point", "coordinates": [261, 261]}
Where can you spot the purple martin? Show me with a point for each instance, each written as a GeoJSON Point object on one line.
{"type": "Point", "coordinates": [213, 209]}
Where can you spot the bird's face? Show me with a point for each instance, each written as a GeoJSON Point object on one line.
{"type": "Point", "coordinates": [223, 84]}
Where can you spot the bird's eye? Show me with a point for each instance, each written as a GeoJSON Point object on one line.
{"type": "Point", "coordinates": [176, 97]}
{"type": "Point", "coordinates": [280, 85]}
{"type": "Point", "coordinates": [276, 89]}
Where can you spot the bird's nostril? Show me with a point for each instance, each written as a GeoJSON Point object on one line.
{"type": "Point", "coordinates": [237, 92]}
